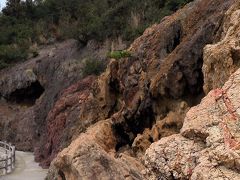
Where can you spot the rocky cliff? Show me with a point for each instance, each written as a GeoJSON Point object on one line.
{"type": "Point", "coordinates": [208, 144]}
{"type": "Point", "coordinates": [137, 120]}
{"type": "Point", "coordinates": [29, 90]}
{"type": "Point", "coordinates": [144, 99]}
{"type": "Point", "coordinates": [221, 59]}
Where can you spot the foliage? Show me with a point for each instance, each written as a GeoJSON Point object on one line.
{"type": "Point", "coordinates": [23, 23]}
{"type": "Point", "coordinates": [93, 67]}
{"type": "Point", "coordinates": [119, 54]}
{"type": "Point", "coordinates": [10, 54]}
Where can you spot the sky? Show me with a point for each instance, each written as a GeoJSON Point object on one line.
{"type": "Point", "coordinates": [2, 3]}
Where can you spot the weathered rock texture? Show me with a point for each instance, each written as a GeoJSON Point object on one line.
{"type": "Point", "coordinates": [145, 97]}
{"type": "Point", "coordinates": [62, 121]}
{"type": "Point", "coordinates": [208, 146]}
{"type": "Point", "coordinates": [223, 58]}
{"type": "Point", "coordinates": [92, 156]}
{"type": "Point", "coordinates": [30, 90]}
{"type": "Point", "coordinates": [109, 121]}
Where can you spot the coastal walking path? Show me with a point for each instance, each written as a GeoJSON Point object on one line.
{"type": "Point", "coordinates": [26, 168]}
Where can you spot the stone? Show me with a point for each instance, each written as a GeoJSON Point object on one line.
{"type": "Point", "coordinates": [209, 139]}
{"type": "Point", "coordinates": [92, 156]}
{"type": "Point", "coordinates": [221, 59]}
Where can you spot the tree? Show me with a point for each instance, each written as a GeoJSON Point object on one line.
{"type": "Point", "coordinates": [12, 8]}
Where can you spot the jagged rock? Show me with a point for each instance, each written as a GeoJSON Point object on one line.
{"type": "Point", "coordinates": [146, 83]}
{"type": "Point", "coordinates": [79, 106]}
{"type": "Point", "coordinates": [223, 58]}
{"type": "Point", "coordinates": [31, 88]}
{"type": "Point", "coordinates": [172, 50]}
{"type": "Point", "coordinates": [209, 140]}
{"type": "Point", "coordinates": [62, 120]}
{"type": "Point", "coordinates": [147, 88]}
{"type": "Point", "coordinates": [147, 95]}
{"type": "Point", "coordinates": [172, 157]}
{"type": "Point", "coordinates": [92, 156]}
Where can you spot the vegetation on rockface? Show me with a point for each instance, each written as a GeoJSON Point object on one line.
{"type": "Point", "coordinates": [93, 66]}
{"type": "Point", "coordinates": [23, 23]}
{"type": "Point", "coordinates": [119, 54]}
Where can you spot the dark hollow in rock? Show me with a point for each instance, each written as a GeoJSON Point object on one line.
{"type": "Point", "coordinates": [128, 130]}
{"type": "Point", "coordinates": [61, 174]}
{"type": "Point", "coordinates": [235, 53]}
{"type": "Point", "coordinates": [28, 95]}
{"type": "Point", "coordinates": [122, 137]}
{"type": "Point", "coordinates": [175, 40]}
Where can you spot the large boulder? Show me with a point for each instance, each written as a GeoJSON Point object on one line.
{"type": "Point", "coordinates": [92, 156]}
{"type": "Point", "coordinates": [208, 146]}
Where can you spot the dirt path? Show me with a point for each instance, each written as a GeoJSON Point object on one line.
{"type": "Point", "coordinates": [26, 168]}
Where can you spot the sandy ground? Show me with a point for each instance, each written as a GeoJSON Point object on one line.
{"type": "Point", "coordinates": [26, 168]}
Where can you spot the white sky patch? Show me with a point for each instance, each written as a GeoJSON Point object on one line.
{"type": "Point", "coordinates": [2, 4]}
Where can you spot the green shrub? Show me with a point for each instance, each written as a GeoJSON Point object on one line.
{"type": "Point", "coordinates": [119, 54]}
{"type": "Point", "coordinates": [11, 53]}
{"type": "Point", "coordinates": [23, 23]}
{"type": "Point", "coordinates": [93, 67]}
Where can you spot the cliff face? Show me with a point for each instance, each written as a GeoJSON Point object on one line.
{"type": "Point", "coordinates": [222, 58]}
{"type": "Point", "coordinates": [28, 90]}
{"type": "Point", "coordinates": [208, 145]}
{"type": "Point", "coordinates": [107, 124]}
{"type": "Point", "coordinates": [145, 98]}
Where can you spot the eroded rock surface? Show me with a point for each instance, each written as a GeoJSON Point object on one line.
{"type": "Point", "coordinates": [62, 121]}
{"type": "Point", "coordinates": [147, 95]}
{"type": "Point", "coordinates": [108, 122]}
{"type": "Point", "coordinates": [30, 89]}
{"type": "Point", "coordinates": [223, 58]}
{"type": "Point", "coordinates": [208, 146]}
{"type": "Point", "coordinates": [92, 156]}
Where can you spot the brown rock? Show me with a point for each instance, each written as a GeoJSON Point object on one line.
{"type": "Point", "coordinates": [147, 95]}
{"type": "Point", "coordinates": [172, 157]}
{"type": "Point", "coordinates": [62, 122]}
{"type": "Point", "coordinates": [91, 156]}
{"type": "Point", "coordinates": [223, 58]}
{"type": "Point", "coordinates": [209, 140]}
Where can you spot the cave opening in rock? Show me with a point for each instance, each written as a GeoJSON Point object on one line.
{"type": "Point", "coordinates": [235, 54]}
{"type": "Point", "coordinates": [28, 95]}
{"type": "Point", "coordinates": [62, 175]}
{"type": "Point", "coordinates": [128, 130]}
{"type": "Point", "coordinates": [194, 91]}
{"type": "Point", "coordinates": [121, 135]}
{"type": "Point", "coordinates": [175, 40]}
